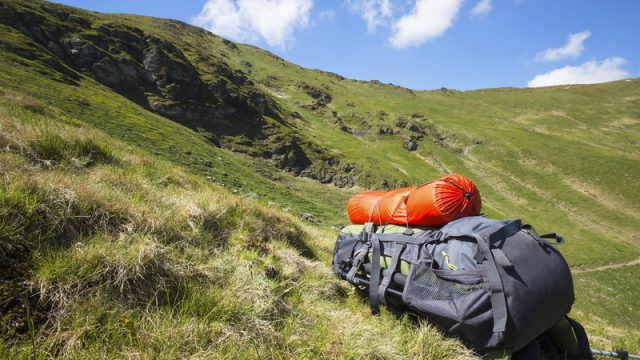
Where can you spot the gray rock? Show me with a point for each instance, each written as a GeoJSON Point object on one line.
{"type": "Point", "coordinates": [308, 217]}
{"type": "Point", "coordinates": [410, 144]}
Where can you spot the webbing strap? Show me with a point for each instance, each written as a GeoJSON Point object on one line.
{"type": "Point", "coordinates": [388, 274]}
{"type": "Point", "coordinates": [499, 235]}
{"type": "Point", "coordinates": [533, 233]}
{"type": "Point", "coordinates": [357, 262]}
{"type": "Point", "coordinates": [375, 275]}
{"type": "Point", "coordinates": [358, 259]}
{"type": "Point", "coordinates": [500, 257]}
{"type": "Point", "coordinates": [405, 239]}
{"type": "Point", "coordinates": [486, 260]}
{"type": "Point", "coordinates": [493, 256]}
{"type": "Point", "coordinates": [498, 301]}
{"type": "Point", "coordinates": [369, 228]}
{"type": "Point", "coordinates": [504, 232]}
{"type": "Point", "coordinates": [584, 348]}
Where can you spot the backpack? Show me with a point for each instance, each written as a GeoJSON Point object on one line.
{"type": "Point", "coordinates": [494, 284]}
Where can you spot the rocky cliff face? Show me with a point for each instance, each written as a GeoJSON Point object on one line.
{"type": "Point", "coordinates": [157, 75]}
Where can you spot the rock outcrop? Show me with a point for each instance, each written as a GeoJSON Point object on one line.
{"type": "Point", "coordinates": [200, 91]}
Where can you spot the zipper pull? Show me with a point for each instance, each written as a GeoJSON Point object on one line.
{"type": "Point", "coordinates": [446, 259]}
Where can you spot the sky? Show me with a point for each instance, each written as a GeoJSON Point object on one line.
{"type": "Point", "coordinates": [426, 44]}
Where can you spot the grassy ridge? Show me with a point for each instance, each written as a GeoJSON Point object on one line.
{"type": "Point", "coordinates": [94, 104]}
{"type": "Point", "coordinates": [556, 178]}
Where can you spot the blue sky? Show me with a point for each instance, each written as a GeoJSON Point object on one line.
{"type": "Point", "coordinates": [426, 44]}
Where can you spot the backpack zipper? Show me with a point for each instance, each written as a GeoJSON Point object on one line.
{"type": "Point", "coordinates": [446, 259]}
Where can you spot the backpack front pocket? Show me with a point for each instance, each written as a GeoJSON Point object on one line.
{"type": "Point", "coordinates": [457, 301]}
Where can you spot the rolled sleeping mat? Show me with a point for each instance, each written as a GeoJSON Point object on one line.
{"type": "Point", "coordinates": [364, 281]}
{"type": "Point", "coordinates": [433, 204]}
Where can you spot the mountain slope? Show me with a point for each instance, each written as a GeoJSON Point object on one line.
{"type": "Point", "coordinates": [563, 158]}
{"type": "Point", "coordinates": [108, 251]}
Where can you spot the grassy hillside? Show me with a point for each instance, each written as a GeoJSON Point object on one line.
{"type": "Point", "coordinates": [109, 251]}
{"type": "Point", "coordinates": [159, 152]}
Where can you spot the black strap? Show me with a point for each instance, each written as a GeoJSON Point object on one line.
{"type": "Point", "coordinates": [540, 238]}
{"type": "Point", "coordinates": [498, 300]}
{"type": "Point", "coordinates": [584, 349]}
{"type": "Point", "coordinates": [501, 234]}
{"type": "Point", "coordinates": [501, 258]}
{"type": "Point", "coordinates": [404, 239]}
{"type": "Point", "coordinates": [504, 232]}
{"type": "Point", "coordinates": [488, 262]}
{"type": "Point", "coordinates": [358, 260]}
{"type": "Point", "coordinates": [388, 274]}
{"type": "Point", "coordinates": [555, 236]}
{"type": "Point", "coordinates": [368, 229]}
{"type": "Point", "coordinates": [375, 275]}
{"type": "Point", "coordinates": [495, 257]}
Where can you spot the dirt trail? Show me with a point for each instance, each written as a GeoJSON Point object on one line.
{"type": "Point", "coordinates": [608, 267]}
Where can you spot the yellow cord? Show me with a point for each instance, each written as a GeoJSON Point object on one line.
{"type": "Point", "coordinates": [446, 258]}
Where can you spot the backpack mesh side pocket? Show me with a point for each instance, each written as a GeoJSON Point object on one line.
{"type": "Point", "coordinates": [456, 301]}
{"type": "Point", "coordinates": [425, 285]}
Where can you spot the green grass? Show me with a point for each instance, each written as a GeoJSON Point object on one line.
{"type": "Point", "coordinates": [91, 182]}
{"type": "Point", "coordinates": [606, 303]}
{"type": "Point", "coordinates": [137, 257]}
{"type": "Point", "coordinates": [115, 114]}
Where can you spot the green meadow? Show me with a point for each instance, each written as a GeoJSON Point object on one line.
{"type": "Point", "coordinates": [124, 233]}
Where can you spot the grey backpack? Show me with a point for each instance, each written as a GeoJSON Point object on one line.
{"type": "Point", "coordinates": [492, 283]}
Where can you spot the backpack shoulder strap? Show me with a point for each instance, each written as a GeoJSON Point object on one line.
{"type": "Point", "coordinates": [584, 349]}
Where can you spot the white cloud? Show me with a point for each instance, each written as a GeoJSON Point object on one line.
{"type": "Point", "coordinates": [428, 19]}
{"type": "Point", "coordinates": [328, 14]}
{"type": "Point", "coordinates": [248, 20]}
{"type": "Point", "coordinates": [590, 72]}
{"type": "Point", "coordinates": [482, 8]}
{"type": "Point", "coordinates": [572, 49]}
{"type": "Point", "coordinates": [374, 12]}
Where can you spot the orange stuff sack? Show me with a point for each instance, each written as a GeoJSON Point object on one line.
{"type": "Point", "coordinates": [360, 205]}
{"type": "Point", "coordinates": [391, 206]}
{"type": "Point", "coordinates": [434, 203]}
